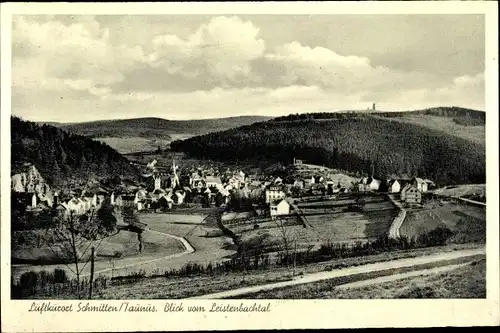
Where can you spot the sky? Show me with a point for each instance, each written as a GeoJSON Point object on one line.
{"type": "Point", "coordinates": [83, 68]}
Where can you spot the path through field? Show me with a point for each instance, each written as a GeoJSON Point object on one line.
{"type": "Point", "coordinates": [198, 248]}
{"type": "Point", "coordinates": [369, 268]}
{"type": "Point", "coordinates": [400, 276]}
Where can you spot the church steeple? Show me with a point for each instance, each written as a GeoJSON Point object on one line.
{"type": "Point", "coordinates": [175, 178]}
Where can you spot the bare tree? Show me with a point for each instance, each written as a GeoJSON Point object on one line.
{"type": "Point", "coordinates": [286, 238]}
{"type": "Point", "coordinates": [73, 235]}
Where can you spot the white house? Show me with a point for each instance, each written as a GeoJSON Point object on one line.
{"type": "Point", "coordinates": [157, 180]}
{"type": "Point", "coordinates": [298, 183]}
{"type": "Point", "coordinates": [196, 181]}
{"type": "Point", "coordinates": [281, 207]}
{"type": "Point", "coordinates": [76, 205]}
{"type": "Point", "coordinates": [278, 180]}
{"type": "Point", "coordinates": [180, 195]}
{"type": "Point", "coordinates": [274, 193]}
{"type": "Point", "coordinates": [212, 181]}
{"type": "Point", "coordinates": [394, 186]}
{"type": "Point", "coordinates": [152, 164]}
{"type": "Point", "coordinates": [421, 184]}
{"type": "Point", "coordinates": [369, 184]}
{"type": "Point", "coordinates": [140, 196]}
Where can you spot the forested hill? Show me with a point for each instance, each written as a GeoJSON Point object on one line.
{"type": "Point", "coordinates": [64, 158]}
{"type": "Point", "coordinates": [350, 142]}
{"type": "Point", "coordinates": [157, 127]}
{"type": "Point", "coordinates": [459, 115]}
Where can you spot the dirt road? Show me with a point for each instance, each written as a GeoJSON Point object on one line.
{"type": "Point", "coordinates": [111, 268]}
{"type": "Point", "coordinates": [398, 221]}
{"type": "Point", "coordinates": [198, 248]}
{"type": "Point", "coordinates": [400, 276]}
{"type": "Point", "coordinates": [369, 268]}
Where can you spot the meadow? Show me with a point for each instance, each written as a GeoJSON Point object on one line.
{"type": "Point", "coordinates": [467, 281]}
{"type": "Point", "coordinates": [467, 222]}
{"type": "Point", "coordinates": [176, 287]}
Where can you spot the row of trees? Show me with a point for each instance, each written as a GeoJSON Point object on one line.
{"type": "Point", "coordinates": [350, 143]}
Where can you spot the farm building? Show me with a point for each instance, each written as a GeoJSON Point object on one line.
{"type": "Point", "coordinates": [369, 184]}
{"type": "Point", "coordinates": [423, 184]}
{"type": "Point", "coordinates": [196, 181]}
{"type": "Point", "coordinates": [411, 195]}
{"type": "Point", "coordinates": [274, 193]}
{"type": "Point", "coordinates": [212, 181]}
{"type": "Point", "coordinates": [298, 183]}
{"type": "Point", "coordinates": [280, 207]}
{"type": "Point", "coordinates": [297, 162]}
{"type": "Point", "coordinates": [125, 200]}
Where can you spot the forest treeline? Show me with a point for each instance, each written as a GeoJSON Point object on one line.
{"type": "Point", "coordinates": [350, 142]}
{"type": "Point", "coordinates": [459, 115]}
{"type": "Point", "coordinates": [63, 158]}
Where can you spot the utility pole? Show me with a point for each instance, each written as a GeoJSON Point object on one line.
{"type": "Point", "coordinates": [295, 257]}
{"type": "Point", "coordinates": [92, 250]}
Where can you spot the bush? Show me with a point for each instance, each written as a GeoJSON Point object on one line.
{"type": "Point", "coordinates": [60, 276]}
{"type": "Point", "coordinates": [28, 281]}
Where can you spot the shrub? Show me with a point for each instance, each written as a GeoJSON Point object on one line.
{"type": "Point", "coordinates": [60, 276]}
{"type": "Point", "coordinates": [28, 281]}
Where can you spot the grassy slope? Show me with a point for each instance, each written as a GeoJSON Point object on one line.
{"type": "Point", "coordinates": [181, 287]}
{"type": "Point", "coordinates": [121, 245]}
{"type": "Point", "coordinates": [464, 282]}
{"type": "Point", "coordinates": [475, 133]}
{"type": "Point", "coordinates": [468, 223]}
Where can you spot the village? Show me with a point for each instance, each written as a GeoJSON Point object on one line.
{"type": "Point", "coordinates": [165, 192]}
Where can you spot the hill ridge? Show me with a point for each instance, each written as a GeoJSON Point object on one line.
{"type": "Point", "coordinates": [352, 142]}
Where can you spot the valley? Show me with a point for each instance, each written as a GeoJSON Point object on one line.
{"type": "Point", "coordinates": [256, 204]}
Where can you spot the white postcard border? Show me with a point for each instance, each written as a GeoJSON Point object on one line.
{"type": "Point", "coordinates": [284, 313]}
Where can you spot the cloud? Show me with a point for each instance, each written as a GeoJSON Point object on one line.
{"type": "Point", "coordinates": [217, 67]}
{"type": "Point", "coordinates": [55, 55]}
{"type": "Point", "coordinates": [223, 48]}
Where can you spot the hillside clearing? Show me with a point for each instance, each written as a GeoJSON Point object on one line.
{"type": "Point", "coordinates": [475, 134]}
{"type": "Point", "coordinates": [467, 222]}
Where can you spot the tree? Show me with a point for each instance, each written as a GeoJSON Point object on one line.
{"type": "Point", "coordinates": [286, 239]}
{"type": "Point", "coordinates": [132, 221]}
{"type": "Point", "coordinates": [73, 235]}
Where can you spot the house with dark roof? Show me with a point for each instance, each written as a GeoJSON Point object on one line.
{"type": "Point", "coordinates": [275, 192]}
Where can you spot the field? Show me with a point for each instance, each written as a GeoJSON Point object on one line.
{"type": "Point", "coordinates": [336, 176]}
{"type": "Point", "coordinates": [467, 222]}
{"type": "Point", "coordinates": [128, 145]}
{"type": "Point", "coordinates": [164, 254]}
{"type": "Point", "coordinates": [467, 281]}
{"type": "Point", "coordinates": [181, 287]}
{"type": "Point", "coordinates": [325, 221]}
{"type": "Point", "coordinates": [124, 244]}
{"type": "Point", "coordinates": [330, 221]}
{"type": "Point", "coordinates": [475, 134]}
{"type": "Point", "coordinates": [463, 190]}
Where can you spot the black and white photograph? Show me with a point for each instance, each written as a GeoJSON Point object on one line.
{"type": "Point", "coordinates": [247, 157]}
